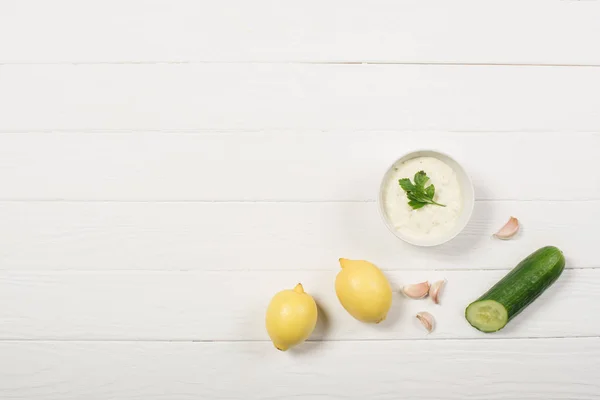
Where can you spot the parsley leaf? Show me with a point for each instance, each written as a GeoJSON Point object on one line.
{"type": "Point", "coordinates": [407, 185]}
{"type": "Point", "coordinates": [430, 191]}
{"type": "Point", "coordinates": [416, 205]}
{"type": "Point", "coordinates": [418, 195]}
{"type": "Point", "coordinates": [421, 179]}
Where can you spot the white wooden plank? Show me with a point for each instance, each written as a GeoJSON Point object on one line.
{"type": "Point", "coordinates": [298, 96]}
{"type": "Point", "coordinates": [229, 306]}
{"type": "Point", "coordinates": [274, 165]}
{"type": "Point", "coordinates": [529, 32]}
{"type": "Point", "coordinates": [273, 236]}
{"type": "Point", "coordinates": [484, 369]}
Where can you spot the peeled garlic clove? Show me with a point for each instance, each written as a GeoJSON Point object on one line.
{"type": "Point", "coordinates": [427, 320]}
{"type": "Point", "coordinates": [416, 290]}
{"type": "Point", "coordinates": [436, 290]}
{"type": "Point", "coordinates": [508, 230]}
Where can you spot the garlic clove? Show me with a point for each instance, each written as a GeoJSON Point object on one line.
{"type": "Point", "coordinates": [427, 320]}
{"type": "Point", "coordinates": [509, 229]}
{"type": "Point", "coordinates": [416, 290]}
{"type": "Point", "coordinates": [436, 290]}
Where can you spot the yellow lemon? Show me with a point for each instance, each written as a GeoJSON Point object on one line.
{"type": "Point", "coordinates": [291, 317]}
{"type": "Point", "coordinates": [363, 290]}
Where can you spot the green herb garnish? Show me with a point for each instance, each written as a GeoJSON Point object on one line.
{"type": "Point", "coordinates": [418, 195]}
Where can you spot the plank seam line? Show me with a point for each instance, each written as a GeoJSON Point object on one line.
{"type": "Point", "coordinates": [424, 339]}
{"type": "Point", "coordinates": [22, 272]}
{"type": "Point", "coordinates": [281, 201]}
{"type": "Point", "coordinates": [284, 130]}
{"type": "Point", "coordinates": [297, 62]}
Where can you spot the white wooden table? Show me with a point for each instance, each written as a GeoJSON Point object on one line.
{"type": "Point", "coordinates": [167, 166]}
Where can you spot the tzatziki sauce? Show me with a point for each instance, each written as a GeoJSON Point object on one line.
{"type": "Point", "coordinates": [431, 220]}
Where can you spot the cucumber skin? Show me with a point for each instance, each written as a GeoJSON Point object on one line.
{"type": "Point", "coordinates": [527, 281]}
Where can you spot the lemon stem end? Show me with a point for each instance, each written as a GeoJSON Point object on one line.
{"type": "Point", "coordinates": [299, 288]}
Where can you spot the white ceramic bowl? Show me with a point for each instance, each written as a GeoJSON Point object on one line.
{"type": "Point", "coordinates": [466, 187]}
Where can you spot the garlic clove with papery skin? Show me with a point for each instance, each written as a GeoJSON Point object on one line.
{"type": "Point", "coordinates": [416, 290]}
{"type": "Point", "coordinates": [509, 229]}
{"type": "Point", "coordinates": [427, 320]}
{"type": "Point", "coordinates": [436, 290]}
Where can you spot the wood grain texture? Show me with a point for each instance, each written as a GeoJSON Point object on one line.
{"type": "Point", "coordinates": [274, 236]}
{"type": "Point", "coordinates": [166, 166]}
{"type": "Point", "coordinates": [508, 32]}
{"type": "Point", "coordinates": [554, 369]}
{"type": "Point", "coordinates": [298, 96]}
{"type": "Point", "coordinates": [214, 306]}
{"type": "Point", "coordinates": [275, 165]}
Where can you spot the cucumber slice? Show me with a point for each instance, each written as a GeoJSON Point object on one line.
{"type": "Point", "coordinates": [519, 288]}
{"type": "Point", "coordinates": [487, 315]}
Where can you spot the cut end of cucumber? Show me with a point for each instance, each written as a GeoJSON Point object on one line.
{"type": "Point", "coordinates": [487, 315]}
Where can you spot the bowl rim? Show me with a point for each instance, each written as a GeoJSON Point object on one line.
{"type": "Point", "coordinates": [408, 156]}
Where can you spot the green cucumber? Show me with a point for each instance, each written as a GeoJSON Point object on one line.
{"type": "Point", "coordinates": [519, 288]}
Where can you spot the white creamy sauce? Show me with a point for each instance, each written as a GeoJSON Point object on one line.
{"type": "Point", "coordinates": [430, 220]}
